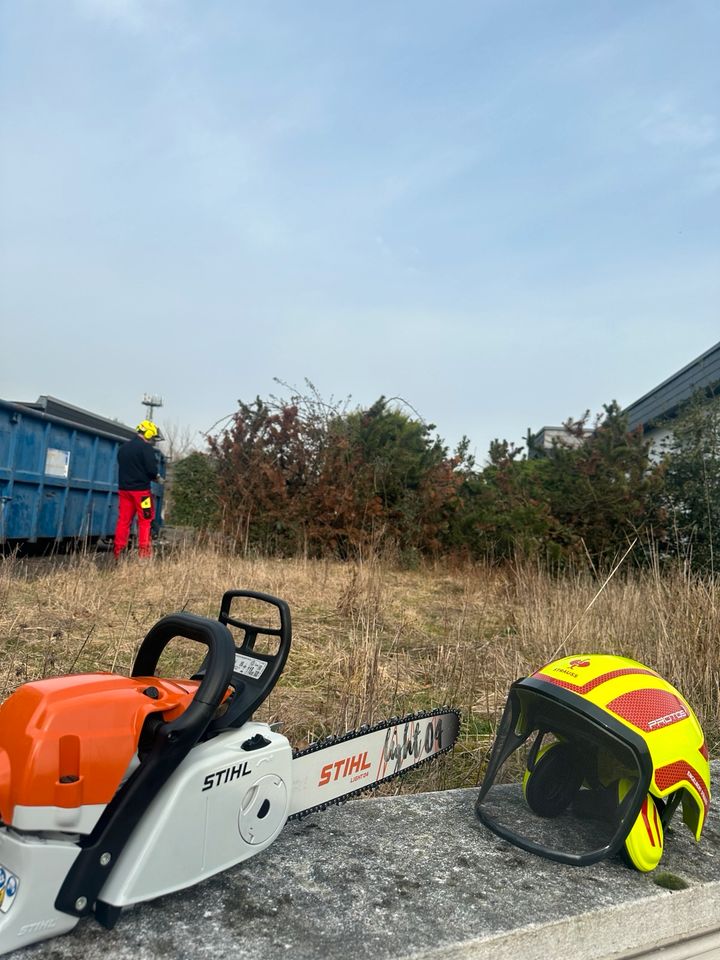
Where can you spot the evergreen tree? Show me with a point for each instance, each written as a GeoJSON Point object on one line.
{"type": "Point", "coordinates": [692, 482]}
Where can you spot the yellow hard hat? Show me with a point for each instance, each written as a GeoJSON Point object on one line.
{"type": "Point", "coordinates": [148, 429]}
{"type": "Point", "coordinates": [602, 751]}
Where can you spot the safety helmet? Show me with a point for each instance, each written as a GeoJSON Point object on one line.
{"type": "Point", "coordinates": [148, 429]}
{"type": "Point", "coordinates": [593, 755]}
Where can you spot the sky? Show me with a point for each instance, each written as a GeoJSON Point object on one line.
{"type": "Point", "coordinates": [502, 212]}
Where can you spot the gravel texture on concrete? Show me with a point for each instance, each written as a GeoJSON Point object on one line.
{"type": "Point", "coordinates": [414, 876]}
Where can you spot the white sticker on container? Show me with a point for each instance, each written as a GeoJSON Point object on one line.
{"type": "Point", "coordinates": [57, 463]}
{"type": "Point", "coordinates": [249, 666]}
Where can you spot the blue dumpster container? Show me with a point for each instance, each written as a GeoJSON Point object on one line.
{"type": "Point", "coordinates": [58, 472]}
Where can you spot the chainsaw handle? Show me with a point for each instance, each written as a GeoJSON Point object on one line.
{"type": "Point", "coordinates": [252, 686]}
{"type": "Point", "coordinates": [252, 629]}
{"type": "Point", "coordinates": [219, 663]}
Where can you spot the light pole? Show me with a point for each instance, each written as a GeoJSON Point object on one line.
{"type": "Point", "coordinates": [151, 401]}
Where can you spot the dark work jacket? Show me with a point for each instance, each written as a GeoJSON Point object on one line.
{"type": "Point", "coordinates": [137, 466]}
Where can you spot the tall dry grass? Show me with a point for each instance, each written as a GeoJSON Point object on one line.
{"type": "Point", "coordinates": [370, 640]}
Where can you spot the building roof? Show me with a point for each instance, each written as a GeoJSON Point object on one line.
{"type": "Point", "coordinates": [664, 401]}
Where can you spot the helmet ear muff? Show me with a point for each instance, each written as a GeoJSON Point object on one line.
{"type": "Point", "coordinates": [554, 780]}
{"type": "Point", "coordinates": [645, 841]}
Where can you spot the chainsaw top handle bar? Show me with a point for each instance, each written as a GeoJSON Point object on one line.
{"type": "Point", "coordinates": [218, 671]}
{"type": "Point", "coordinates": [252, 629]}
{"type": "Point", "coordinates": [255, 672]}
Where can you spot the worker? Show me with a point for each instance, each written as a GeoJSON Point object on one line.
{"type": "Point", "coordinates": [137, 469]}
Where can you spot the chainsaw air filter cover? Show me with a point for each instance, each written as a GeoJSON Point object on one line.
{"type": "Point", "coordinates": [593, 756]}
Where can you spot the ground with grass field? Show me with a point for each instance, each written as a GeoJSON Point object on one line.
{"type": "Point", "coordinates": [370, 640]}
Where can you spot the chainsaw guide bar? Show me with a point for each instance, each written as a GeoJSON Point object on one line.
{"type": "Point", "coordinates": [404, 744]}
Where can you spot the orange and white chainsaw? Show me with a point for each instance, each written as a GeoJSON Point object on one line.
{"type": "Point", "coordinates": [115, 790]}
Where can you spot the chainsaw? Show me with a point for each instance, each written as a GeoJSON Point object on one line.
{"type": "Point", "coordinates": [115, 790]}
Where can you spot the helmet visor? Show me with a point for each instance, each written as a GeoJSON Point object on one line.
{"type": "Point", "coordinates": [559, 782]}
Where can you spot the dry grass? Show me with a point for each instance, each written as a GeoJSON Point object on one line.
{"type": "Point", "coordinates": [369, 640]}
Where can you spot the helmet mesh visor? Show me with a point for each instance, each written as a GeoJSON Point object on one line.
{"type": "Point", "coordinates": [569, 788]}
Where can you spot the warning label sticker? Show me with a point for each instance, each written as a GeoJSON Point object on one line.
{"type": "Point", "coordinates": [249, 666]}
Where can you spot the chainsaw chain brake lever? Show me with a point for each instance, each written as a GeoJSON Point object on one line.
{"type": "Point", "coordinates": [255, 673]}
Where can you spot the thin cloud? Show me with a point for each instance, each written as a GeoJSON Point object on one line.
{"type": "Point", "coordinates": [709, 175]}
{"type": "Point", "coordinates": [129, 14]}
{"type": "Point", "coordinates": [671, 125]}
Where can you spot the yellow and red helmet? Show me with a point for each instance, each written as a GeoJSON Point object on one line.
{"type": "Point", "coordinates": [594, 754]}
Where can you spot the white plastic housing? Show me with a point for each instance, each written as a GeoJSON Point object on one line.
{"type": "Point", "coordinates": [33, 870]}
{"type": "Point", "coordinates": [222, 805]}
{"type": "Point", "coordinates": [57, 819]}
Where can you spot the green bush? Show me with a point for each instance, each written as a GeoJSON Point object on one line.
{"type": "Point", "coordinates": [194, 492]}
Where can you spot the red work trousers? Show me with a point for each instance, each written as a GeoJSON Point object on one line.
{"type": "Point", "coordinates": [130, 504]}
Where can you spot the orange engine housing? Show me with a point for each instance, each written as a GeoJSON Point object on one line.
{"type": "Point", "coordinates": [68, 741]}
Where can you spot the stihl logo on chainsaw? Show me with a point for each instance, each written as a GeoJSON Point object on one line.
{"type": "Point", "coordinates": [347, 767]}
{"type": "Point", "coordinates": [225, 776]}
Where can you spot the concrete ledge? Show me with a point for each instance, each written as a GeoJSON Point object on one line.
{"type": "Point", "coordinates": [631, 930]}
{"type": "Point", "coordinates": [415, 876]}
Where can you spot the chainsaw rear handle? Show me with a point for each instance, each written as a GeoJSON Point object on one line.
{"type": "Point", "coordinates": [219, 664]}
{"type": "Point", "coordinates": [171, 743]}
